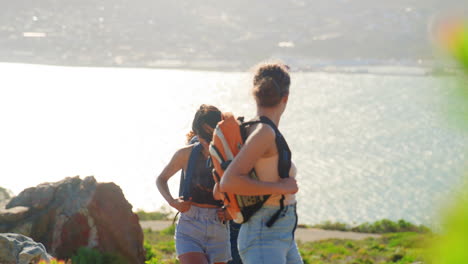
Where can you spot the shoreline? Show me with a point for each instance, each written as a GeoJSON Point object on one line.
{"type": "Point", "coordinates": [416, 70]}
{"type": "Point", "coordinates": [302, 234]}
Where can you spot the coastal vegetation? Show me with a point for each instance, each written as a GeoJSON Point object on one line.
{"type": "Point", "coordinates": [391, 247]}
{"type": "Point", "coordinates": [162, 214]}
{"type": "Point", "coordinates": [406, 247]}
{"type": "Point", "coordinates": [87, 256]}
{"type": "Point", "coordinates": [378, 227]}
{"type": "Point", "coordinates": [401, 242]}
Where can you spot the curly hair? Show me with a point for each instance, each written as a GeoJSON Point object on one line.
{"type": "Point", "coordinates": [270, 83]}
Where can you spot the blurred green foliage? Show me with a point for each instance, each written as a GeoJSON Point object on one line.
{"type": "Point", "coordinates": [88, 255]}
{"type": "Point", "coordinates": [162, 214]}
{"type": "Point", "coordinates": [460, 46]}
{"type": "Point", "coordinates": [451, 246]}
{"type": "Point", "coordinates": [160, 246]}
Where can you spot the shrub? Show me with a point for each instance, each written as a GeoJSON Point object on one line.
{"type": "Point", "coordinates": [380, 227]}
{"type": "Point", "coordinates": [89, 255]}
{"type": "Point", "coordinates": [163, 214]}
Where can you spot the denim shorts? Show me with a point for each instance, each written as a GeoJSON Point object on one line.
{"type": "Point", "coordinates": [259, 244]}
{"type": "Point", "coordinates": [199, 230]}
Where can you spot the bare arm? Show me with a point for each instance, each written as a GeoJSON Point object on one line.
{"type": "Point", "coordinates": [177, 163]}
{"type": "Point", "coordinates": [236, 179]}
{"type": "Point", "coordinates": [217, 195]}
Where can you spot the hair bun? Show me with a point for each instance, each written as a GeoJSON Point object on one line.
{"type": "Point", "coordinates": [271, 83]}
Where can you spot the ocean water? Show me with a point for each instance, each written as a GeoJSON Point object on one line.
{"type": "Point", "coordinates": [367, 146]}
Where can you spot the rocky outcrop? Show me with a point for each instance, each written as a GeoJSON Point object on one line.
{"type": "Point", "coordinates": [73, 213]}
{"type": "Point", "coordinates": [19, 249]}
{"type": "Point", "coordinates": [13, 214]}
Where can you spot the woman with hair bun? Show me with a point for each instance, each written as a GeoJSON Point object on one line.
{"type": "Point", "coordinates": [268, 236]}
{"type": "Point", "coordinates": [202, 235]}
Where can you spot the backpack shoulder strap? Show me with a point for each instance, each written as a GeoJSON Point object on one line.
{"type": "Point", "coordinates": [186, 178]}
{"type": "Point", "coordinates": [244, 124]}
{"type": "Point", "coordinates": [284, 162]}
{"type": "Point", "coordinates": [284, 159]}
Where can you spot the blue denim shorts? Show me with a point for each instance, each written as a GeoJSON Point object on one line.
{"type": "Point", "coordinates": [259, 244]}
{"type": "Point", "coordinates": [199, 230]}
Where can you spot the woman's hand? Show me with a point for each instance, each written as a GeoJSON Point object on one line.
{"type": "Point", "coordinates": [288, 185]}
{"type": "Point", "coordinates": [180, 205]}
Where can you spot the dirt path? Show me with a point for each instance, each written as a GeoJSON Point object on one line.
{"type": "Point", "coordinates": [302, 234]}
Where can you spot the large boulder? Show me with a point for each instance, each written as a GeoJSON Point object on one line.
{"type": "Point", "coordinates": [74, 213]}
{"type": "Point", "coordinates": [19, 249]}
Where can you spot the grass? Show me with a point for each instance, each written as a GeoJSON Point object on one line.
{"type": "Point", "coordinates": [396, 247]}
{"type": "Point", "coordinates": [87, 256]}
{"type": "Point", "coordinates": [160, 246]}
{"type": "Point", "coordinates": [389, 248]}
{"type": "Point", "coordinates": [378, 227]}
{"type": "Point", "coordinates": [163, 214]}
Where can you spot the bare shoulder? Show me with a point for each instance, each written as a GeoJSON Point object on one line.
{"type": "Point", "coordinates": [261, 130]}
{"type": "Point", "coordinates": [182, 155]}
{"type": "Point", "coordinates": [262, 137]}
{"type": "Point", "coordinates": [177, 162]}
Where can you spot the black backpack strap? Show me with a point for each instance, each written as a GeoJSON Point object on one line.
{"type": "Point", "coordinates": [284, 163]}
{"type": "Point", "coordinates": [186, 178]}
{"type": "Point", "coordinates": [193, 140]}
{"type": "Point", "coordinates": [284, 153]}
{"type": "Point", "coordinates": [284, 157]}
{"type": "Point", "coordinates": [243, 125]}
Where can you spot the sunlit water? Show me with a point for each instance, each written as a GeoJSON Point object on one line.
{"type": "Point", "coordinates": [366, 146]}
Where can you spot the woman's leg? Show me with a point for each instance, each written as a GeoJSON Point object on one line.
{"type": "Point", "coordinates": [189, 238]}
{"type": "Point", "coordinates": [293, 256]}
{"type": "Point", "coordinates": [260, 244]}
{"type": "Point", "coordinates": [218, 247]}
{"type": "Point", "coordinates": [193, 258]}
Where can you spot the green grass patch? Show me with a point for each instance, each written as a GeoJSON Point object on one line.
{"type": "Point", "coordinates": [378, 227]}
{"type": "Point", "coordinates": [400, 248]}
{"type": "Point", "coordinates": [390, 248]}
{"type": "Point", "coordinates": [160, 246]}
{"type": "Point", "coordinates": [88, 255]}
{"type": "Point", "coordinates": [164, 214]}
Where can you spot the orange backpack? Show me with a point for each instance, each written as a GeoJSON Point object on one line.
{"type": "Point", "coordinates": [228, 138]}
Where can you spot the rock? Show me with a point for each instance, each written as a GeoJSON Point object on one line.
{"type": "Point", "coordinates": [112, 220]}
{"type": "Point", "coordinates": [19, 249]}
{"type": "Point", "coordinates": [36, 197]}
{"type": "Point", "coordinates": [75, 213]}
{"type": "Point", "coordinates": [13, 214]}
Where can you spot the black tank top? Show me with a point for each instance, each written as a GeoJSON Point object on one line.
{"type": "Point", "coordinates": [203, 183]}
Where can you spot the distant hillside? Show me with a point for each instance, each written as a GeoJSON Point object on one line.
{"type": "Point", "coordinates": [215, 34]}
